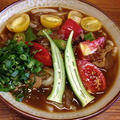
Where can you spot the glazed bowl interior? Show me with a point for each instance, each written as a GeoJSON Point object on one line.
{"type": "Point", "coordinates": [112, 29]}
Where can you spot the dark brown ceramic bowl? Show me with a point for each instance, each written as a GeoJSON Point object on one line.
{"type": "Point", "coordinates": [86, 8]}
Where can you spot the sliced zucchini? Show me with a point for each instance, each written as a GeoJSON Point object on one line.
{"type": "Point", "coordinates": [73, 75]}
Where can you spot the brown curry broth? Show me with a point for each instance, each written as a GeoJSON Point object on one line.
{"type": "Point", "coordinates": [38, 98]}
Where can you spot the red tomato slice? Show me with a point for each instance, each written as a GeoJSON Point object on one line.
{"type": "Point", "coordinates": [92, 78]}
{"type": "Point", "coordinates": [42, 54]}
{"type": "Point", "coordinates": [87, 48]}
{"type": "Point", "coordinates": [68, 26]}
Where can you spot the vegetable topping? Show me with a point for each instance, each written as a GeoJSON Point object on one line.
{"type": "Point", "coordinates": [91, 24]}
{"type": "Point", "coordinates": [73, 75]}
{"type": "Point", "coordinates": [19, 37]}
{"type": "Point", "coordinates": [90, 36]}
{"type": "Point", "coordinates": [18, 23]}
{"type": "Point", "coordinates": [92, 78]}
{"type": "Point", "coordinates": [50, 21]}
{"type": "Point", "coordinates": [68, 26]}
{"type": "Point", "coordinates": [76, 16]}
{"type": "Point", "coordinates": [16, 65]}
{"type": "Point", "coordinates": [89, 47]}
{"type": "Point", "coordinates": [61, 44]}
{"type": "Point", "coordinates": [41, 34]}
{"type": "Point", "coordinates": [40, 53]}
{"type": "Point", "coordinates": [30, 36]}
{"type": "Point", "coordinates": [59, 73]}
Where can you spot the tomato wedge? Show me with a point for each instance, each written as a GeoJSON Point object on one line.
{"type": "Point", "coordinates": [87, 48]}
{"type": "Point", "coordinates": [50, 21]}
{"type": "Point", "coordinates": [75, 15]}
{"type": "Point", "coordinates": [40, 53]}
{"type": "Point", "coordinates": [68, 26]}
{"type": "Point", "coordinates": [92, 78]}
{"type": "Point", "coordinates": [18, 23]}
{"type": "Point", "coordinates": [91, 24]}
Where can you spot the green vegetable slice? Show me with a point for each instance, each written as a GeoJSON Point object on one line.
{"type": "Point", "coordinates": [30, 36]}
{"type": "Point", "coordinates": [90, 36]}
{"type": "Point", "coordinates": [61, 44]}
{"type": "Point", "coordinates": [19, 37]}
{"type": "Point", "coordinates": [59, 73]}
{"type": "Point", "coordinates": [48, 31]}
{"type": "Point", "coordinates": [73, 75]}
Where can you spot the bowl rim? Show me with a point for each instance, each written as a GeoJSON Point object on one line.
{"type": "Point", "coordinates": [84, 117]}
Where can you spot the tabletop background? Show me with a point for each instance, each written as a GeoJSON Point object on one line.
{"type": "Point", "coordinates": [112, 9]}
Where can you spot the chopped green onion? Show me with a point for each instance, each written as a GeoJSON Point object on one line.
{"type": "Point", "coordinates": [15, 73]}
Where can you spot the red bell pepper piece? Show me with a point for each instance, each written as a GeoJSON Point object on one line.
{"type": "Point", "coordinates": [68, 26]}
{"type": "Point", "coordinates": [42, 54]}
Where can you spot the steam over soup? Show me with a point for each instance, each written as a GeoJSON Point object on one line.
{"type": "Point", "coordinates": [57, 59]}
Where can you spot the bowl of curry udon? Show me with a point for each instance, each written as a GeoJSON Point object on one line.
{"type": "Point", "coordinates": [58, 59]}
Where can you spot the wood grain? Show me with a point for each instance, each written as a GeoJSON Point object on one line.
{"type": "Point", "coordinates": [112, 9]}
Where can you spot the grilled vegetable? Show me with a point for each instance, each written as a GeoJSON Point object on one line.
{"type": "Point", "coordinates": [50, 21]}
{"type": "Point", "coordinates": [73, 75]}
{"type": "Point", "coordinates": [18, 23]}
{"type": "Point", "coordinates": [59, 73]}
{"type": "Point", "coordinates": [91, 24]}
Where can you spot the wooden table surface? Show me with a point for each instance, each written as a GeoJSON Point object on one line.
{"type": "Point", "coordinates": [112, 9]}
